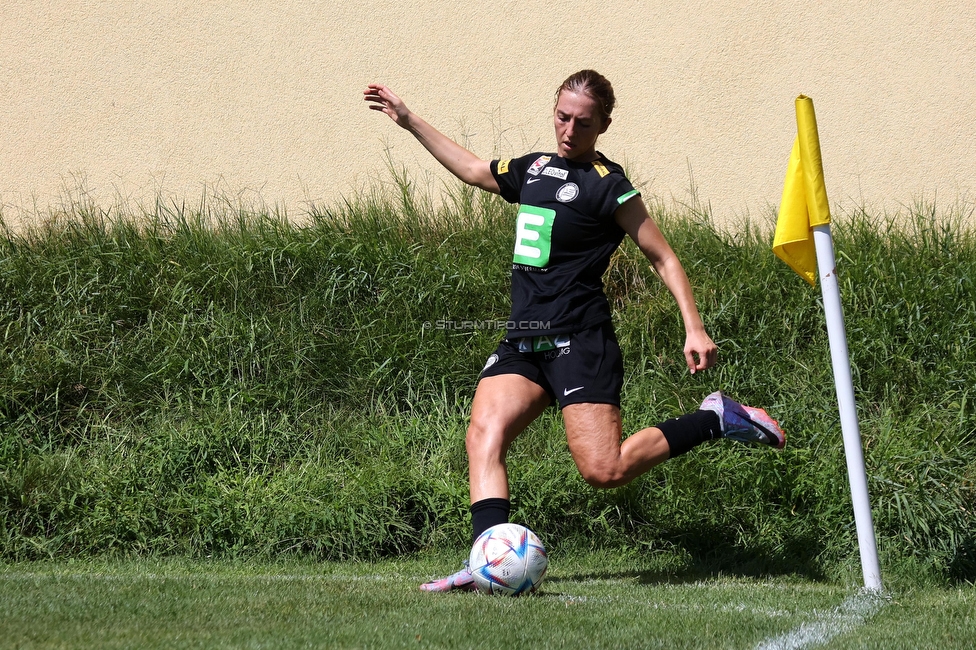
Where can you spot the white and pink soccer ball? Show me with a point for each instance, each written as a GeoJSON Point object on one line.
{"type": "Point", "coordinates": [509, 560]}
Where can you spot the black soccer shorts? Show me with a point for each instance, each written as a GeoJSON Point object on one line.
{"type": "Point", "coordinates": [583, 367]}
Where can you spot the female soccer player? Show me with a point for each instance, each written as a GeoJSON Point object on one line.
{"type": "Point", "coordinates": [575, 206]}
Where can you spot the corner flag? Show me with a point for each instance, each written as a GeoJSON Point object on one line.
{"type": "Point", "coordinates": [803, 241]}
{"type": "Point", "coordinates": [804, 203]}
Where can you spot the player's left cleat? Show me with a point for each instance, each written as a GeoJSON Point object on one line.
{"type": "Point", "coordinates": [744, 423]}
{"type": "Point", "coordinates": [459, 581]}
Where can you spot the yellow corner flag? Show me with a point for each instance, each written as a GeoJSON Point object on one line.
{"type": "Point", "coordinates": [804, 215]}
{"type": "Point", "coordinates": [804, 203]}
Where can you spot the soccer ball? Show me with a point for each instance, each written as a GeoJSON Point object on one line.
{"type": "Point", "coordinates": [509, 560]}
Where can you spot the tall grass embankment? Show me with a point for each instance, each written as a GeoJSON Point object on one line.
{"type": "Point", "coordinates": [224, 382]}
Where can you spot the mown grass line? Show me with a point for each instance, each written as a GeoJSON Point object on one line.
{"type": "Point", "coordinates": [222, 382]}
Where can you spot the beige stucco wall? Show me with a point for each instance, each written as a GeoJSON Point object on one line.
{"type": "Point", "coordinates": [262, 100]}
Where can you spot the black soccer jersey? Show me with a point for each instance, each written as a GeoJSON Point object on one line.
{"type": "Point", "coordinates": [564, 237]}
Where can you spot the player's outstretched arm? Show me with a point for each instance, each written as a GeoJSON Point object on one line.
{"type": "Point", "coordinates": [700, 351]}
{"type": "Point", "coordinates": [459, 161]}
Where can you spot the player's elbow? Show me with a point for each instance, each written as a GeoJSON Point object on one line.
{"type": "Point", "coordinates": [478, 174]}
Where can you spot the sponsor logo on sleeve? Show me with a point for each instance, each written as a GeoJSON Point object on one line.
{"type": "Point", "coordinates": [539, 163]}
{"type": "Point", "coordinates": [600, 168]}
{"type": "Point", "coordinates": [555, 172]}
{"type": "Point", "coordinates": [503, 166]}
{"type": "Point", "coordinates": [567, 192]}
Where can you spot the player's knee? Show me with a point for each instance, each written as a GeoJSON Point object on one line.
{"type": "Point", "coordinates": [483, 439]}
{"type": "Point", "coordinates": [603, 476]}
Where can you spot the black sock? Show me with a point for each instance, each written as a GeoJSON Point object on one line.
{"type": "Point", "coordinates": [687, 432]}
{"type": "Point", "coordinates": [487, 513]}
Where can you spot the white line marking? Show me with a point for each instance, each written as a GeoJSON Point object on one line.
{"type": "Point", "coordinates": [199, 577]}
{"type": "Point", "coordinates": [847, 616]}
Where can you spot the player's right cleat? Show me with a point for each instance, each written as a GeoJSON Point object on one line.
{"type": "Point", "coordinates": [744, 423]}
{"type": "Point", "coordinates": [460, 581]}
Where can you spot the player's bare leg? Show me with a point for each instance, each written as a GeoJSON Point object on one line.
{"type": "Point", "coordinates": [503, 406]}
{"type": "Point", "coordinates": [593, 432]}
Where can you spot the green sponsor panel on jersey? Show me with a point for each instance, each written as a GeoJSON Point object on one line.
{"type": "Point", "coordinates": [542, 344]}
{"type": "Point", "coordinates": [533, 236]}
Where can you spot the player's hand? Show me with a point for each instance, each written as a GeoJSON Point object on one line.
{"type": "Point", "coordinates": [383, 99]}
{"type": "Point", "coordinates": [701, 352]}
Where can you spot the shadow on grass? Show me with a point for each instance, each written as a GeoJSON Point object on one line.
{"type": "Point", "coordinates": [714, 554]}
{"type": "Point", "coordinates": [962, 568]}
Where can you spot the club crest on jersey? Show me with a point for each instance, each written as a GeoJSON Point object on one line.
{"type": "Point", "coordinates": [539, 163]}
{"type": "Point", "coordinates": [555, 172]}
{"type": "Point", "coordinates": [567, 192]}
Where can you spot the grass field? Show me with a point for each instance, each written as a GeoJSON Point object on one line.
{"type": "Point", "coordinates": [267, 405]}
{"type": "Point", "coordinates": [590, 601]}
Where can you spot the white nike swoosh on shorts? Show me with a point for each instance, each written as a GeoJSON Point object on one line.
{"type": "Point", "coordinates": [567, 391]}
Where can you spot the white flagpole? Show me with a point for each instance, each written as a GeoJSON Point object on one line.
{"type": "Point", "coordinates": [837, 335]}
